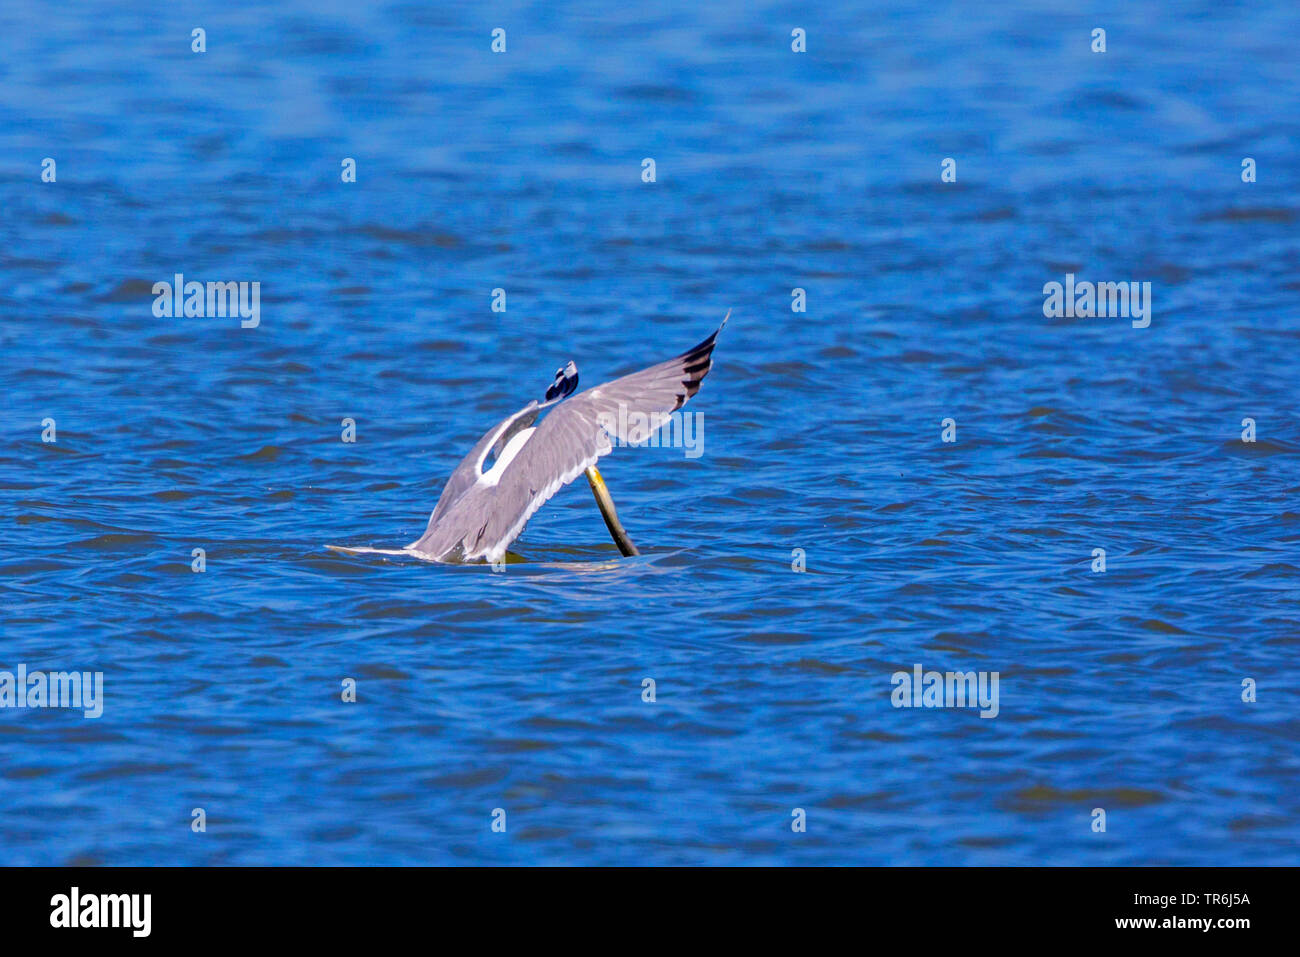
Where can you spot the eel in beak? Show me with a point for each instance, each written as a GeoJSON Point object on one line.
{"type": "Point", "coordinates": [608, 512]}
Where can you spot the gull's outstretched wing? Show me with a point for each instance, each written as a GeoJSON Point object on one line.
{"type": "Point", "coordinates": [494, 441]}
{"type": "Point", "coordinates": [470, 468]}
{"type": "Point", "coordinates": [572, 436]}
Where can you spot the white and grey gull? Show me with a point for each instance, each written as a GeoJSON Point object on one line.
{"type": "Point", "coordinates": [484, 507]}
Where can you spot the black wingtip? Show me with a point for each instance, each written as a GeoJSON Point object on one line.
{"type": "Point", "coordinates": [701, 351]}
{"type": "Point", "coordinates": [696, 363]}
{"type": "Point", "coordinates": [566, 380]}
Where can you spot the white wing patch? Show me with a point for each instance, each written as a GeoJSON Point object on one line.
{"type": "Point", "coordinates": [493, 475]}
{"type": "Point", "coordinates": [497, 550]}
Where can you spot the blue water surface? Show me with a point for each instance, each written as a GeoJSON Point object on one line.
{"type": "Point", "coordinates": [522, 690]}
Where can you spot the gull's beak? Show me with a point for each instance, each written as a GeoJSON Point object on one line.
{"type": "Point", "coordinates": [607, 511]}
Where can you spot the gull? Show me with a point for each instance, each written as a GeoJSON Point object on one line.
{"type": "Point", "coordinates": [517, 466]}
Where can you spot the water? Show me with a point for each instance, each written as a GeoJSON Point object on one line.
{"type": "Point", "coordinates": [522, 690]}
